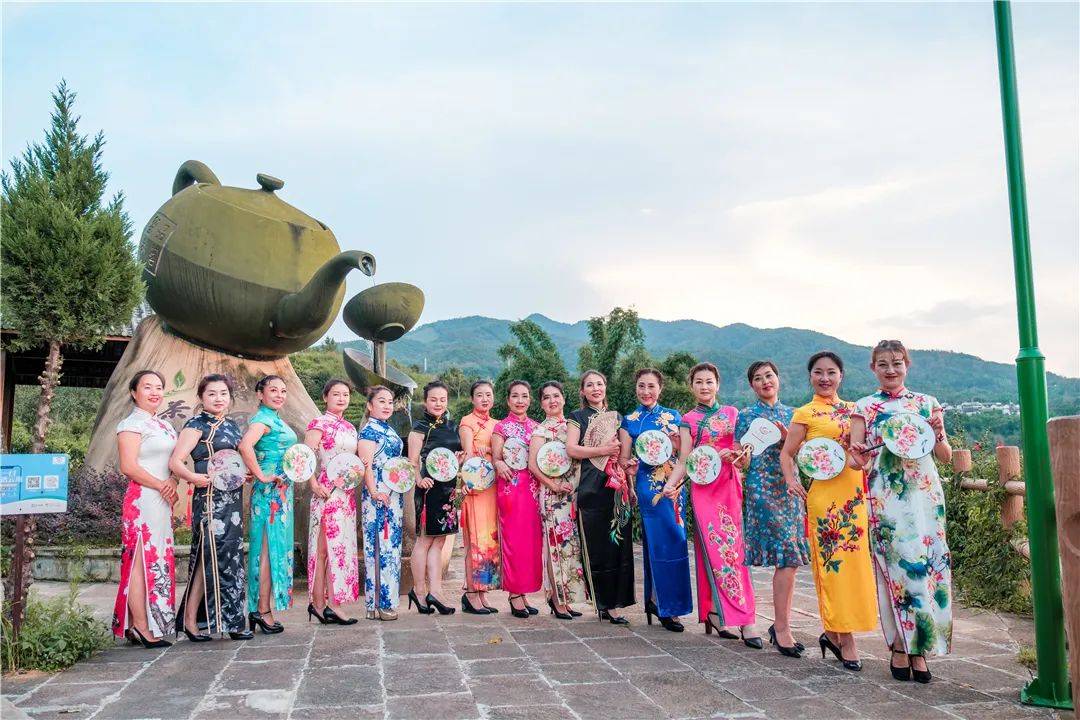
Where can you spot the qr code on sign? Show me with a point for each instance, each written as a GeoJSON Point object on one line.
{"type": "Point", "coordinates": [33, 482]}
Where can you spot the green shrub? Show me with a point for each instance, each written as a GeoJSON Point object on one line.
{"type": "Point", "coordinates": [56, 634]}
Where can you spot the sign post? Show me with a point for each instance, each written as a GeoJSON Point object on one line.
{"type": "Point", "coordinates": [29, 485]}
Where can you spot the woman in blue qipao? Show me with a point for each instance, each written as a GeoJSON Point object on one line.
{"type": "Point", "coordinates": [382, 509]}
{"type": "Point", "coordinates": [774, 520]}
{"type": "Point", "coordinates": [663, 537]}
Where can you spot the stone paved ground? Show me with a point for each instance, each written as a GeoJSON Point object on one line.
{"type": "Point", "coordinates": [464, 666]}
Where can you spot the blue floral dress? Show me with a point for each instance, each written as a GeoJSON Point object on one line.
{"type": "Point", "coordinates": [271, 514]}
{"type": "Point", "coordinates": [665, 556]}
{"type": "Point", "coordinates": [382, 523]}
{"type": "Point", "coordinates": [774, 521]}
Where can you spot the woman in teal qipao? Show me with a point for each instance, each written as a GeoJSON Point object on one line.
{"type": "Point", "coordinates": [663, 537]}
{"type": "Point", "coordinates": [270, 532]}
{"type": "Point", "coordinates": [774, 519]}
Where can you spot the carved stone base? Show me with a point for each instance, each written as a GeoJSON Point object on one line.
{"type": "Point", "coordinates": [183, 363]}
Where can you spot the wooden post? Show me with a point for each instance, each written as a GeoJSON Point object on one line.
{"type": "Point", "coordinates": [1012, 507]}
{"type": "Point", "coordinates": [961, 461]}
{"type": "Point", "coordinates": [1064, 435]}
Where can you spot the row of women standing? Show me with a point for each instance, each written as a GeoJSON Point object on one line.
{"type": "Point", "coordinates": [152, 458]}
{"type": "Point", "coordinates": [874, 535]}
{"type": "Point", "coordinates": [570, 534]}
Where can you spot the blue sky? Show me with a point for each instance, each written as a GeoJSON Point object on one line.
{"type": "Point", "coordinates": [826, 166]}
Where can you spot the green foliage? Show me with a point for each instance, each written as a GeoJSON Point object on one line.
{"type": "Point", "coordinates": [56, 634]}
{"type": "Point", "coordinates": [533, 358]}
{"type": "Point", "coordinates": [611, 338]}
{"type": "Point", "coordinates": [1002, 428]}
{"type": "Point", "coordinates": [73, 413]}
{"type": "Point", "coordinates": [987, 571]}
{"type": "Point", "coordinates": [69, 271]}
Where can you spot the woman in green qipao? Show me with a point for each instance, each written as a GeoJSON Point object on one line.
{"type": "Point", "coordinates": [912, 563]}
{"type": "Point", "coordinates": [270, 532]}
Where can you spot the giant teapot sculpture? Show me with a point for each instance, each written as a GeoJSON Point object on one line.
{"type": "Point", "coordinates": [241, 270]}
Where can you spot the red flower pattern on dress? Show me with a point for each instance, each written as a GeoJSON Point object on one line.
{"type": "Point", "coordinates": [838, 532]}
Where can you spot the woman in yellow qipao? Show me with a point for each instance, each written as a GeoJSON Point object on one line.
{"type": "Point", "coordinates": [836, 514]}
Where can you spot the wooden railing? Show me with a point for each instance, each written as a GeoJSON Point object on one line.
{"type": "Point", "coordinates": [1009, 477]}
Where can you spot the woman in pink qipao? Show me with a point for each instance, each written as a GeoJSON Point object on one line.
{"type": "Point", "coordinates": [725, 592]}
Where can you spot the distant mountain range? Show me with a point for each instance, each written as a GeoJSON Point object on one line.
{"type": "Point", "coordinates": [472, 343]}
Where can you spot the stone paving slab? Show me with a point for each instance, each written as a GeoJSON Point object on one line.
{"type": "Point", "coordinates": [504, 668]}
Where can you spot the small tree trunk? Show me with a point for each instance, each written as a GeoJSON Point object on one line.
{"type": "Point", "coordinates": [25, 525]}
{"type": "Point", "coordinates": [49, 379]}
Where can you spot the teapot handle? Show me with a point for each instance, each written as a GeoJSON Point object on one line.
{"type": "Point", "coordinates": [192, 172]}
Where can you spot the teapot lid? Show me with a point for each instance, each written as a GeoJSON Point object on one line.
{"type": "Point", "coordinates": [262, 202]}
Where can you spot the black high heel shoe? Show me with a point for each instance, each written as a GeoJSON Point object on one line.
{"type": "Point", "coordinates": [420, 608]}
{"type": "Point", "coordinates": [827, 644]}
{"type": "Point", "coordinates": [150, 644]}
{"type": "Point", "coordinates": [919, 676]}
{"type": "Point", "coordinates": [469, 609]}
{"type": "Point", "coordinates": [200, 637]}
{"type": "Point", "coordinates": [792, 651]}
{"type": "Point", "coordinates": [333, 617]}
{"type": "Point", "coordinates": [523, 612]}
{"type": "Point", "coordinates": [754, 642]}
{"type": "Point", "coordinates": [242, 635]}
{"type": "Point", "coordinates": [313, 613]}
{"type": "Point", "coordinates": [531, 610]}
{"type": "Point", "coordinates": [613, 619]}
{"type": "Point", "coordinates": [255, 619]}
{"type": "Point", "coordinates": [668, 623]}
{"type": "Point", "coordinates": [720, 632]}
{"type": "Point", "coordinates": [556, 613]}
{"type": "Point", "coordinates": [903, 674]}
{"type": "Point", "coordinates": [433, 602]}
{"type": "Point", "coordinates": [574, 613]}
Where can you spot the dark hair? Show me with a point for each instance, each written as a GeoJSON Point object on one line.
{"type": "Point", "coordinates": [824, 354]}
{"type": "Point", "coordinates": [140, 375]}
{"type": "Point", "coordinates": [375, 390]}
{"type": "Point", "coordinates": [551, 384]}
{"type": "Point", "coordinates": [708, 366]}
{"type": "Point", "coordinates": [514, 383]}
{"type": "Point", "coordinates": [266, 380]}
{"type": "Point", "coordinates": [334, 382]}
{"type": "Point", "coordinates": [480, 384]}
{"type": "Point", "coordinates": [894, 346]}
{"type": "Point", "coordinates": [213, 378]}
{"type": "Point", "coordinates": [757, 365]}
{"type": "Point", "coordinates": [649, 371]}
{"type": "Point", "coordinates": [581, 386]}
{"type": "Point", "coordinates": [435, 385]}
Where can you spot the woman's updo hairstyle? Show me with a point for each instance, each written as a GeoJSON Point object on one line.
{"type": "Point", "coordinates": [266, 380]}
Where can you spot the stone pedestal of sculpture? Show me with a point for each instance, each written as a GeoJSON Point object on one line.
{"type": "Point", "coordinates": [183, 363]}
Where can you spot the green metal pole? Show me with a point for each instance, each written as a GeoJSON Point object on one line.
{"type": "Point", "coordinates": [1050, 687]}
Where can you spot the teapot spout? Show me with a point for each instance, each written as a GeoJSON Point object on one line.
{"type": "Point", "coordinates": [305, 311]}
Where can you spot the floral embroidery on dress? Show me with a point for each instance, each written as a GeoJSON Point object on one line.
{"type": "Point", "coordinates": [725, 539]}
{"type": "Point", "coordinates": [838, 532]}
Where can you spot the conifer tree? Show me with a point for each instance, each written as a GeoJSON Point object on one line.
{"type": "Point", "coordinates": [68, 272]}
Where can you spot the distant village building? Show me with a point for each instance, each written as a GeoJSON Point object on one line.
{"type": "Point", "coordinates": [973, 408]}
